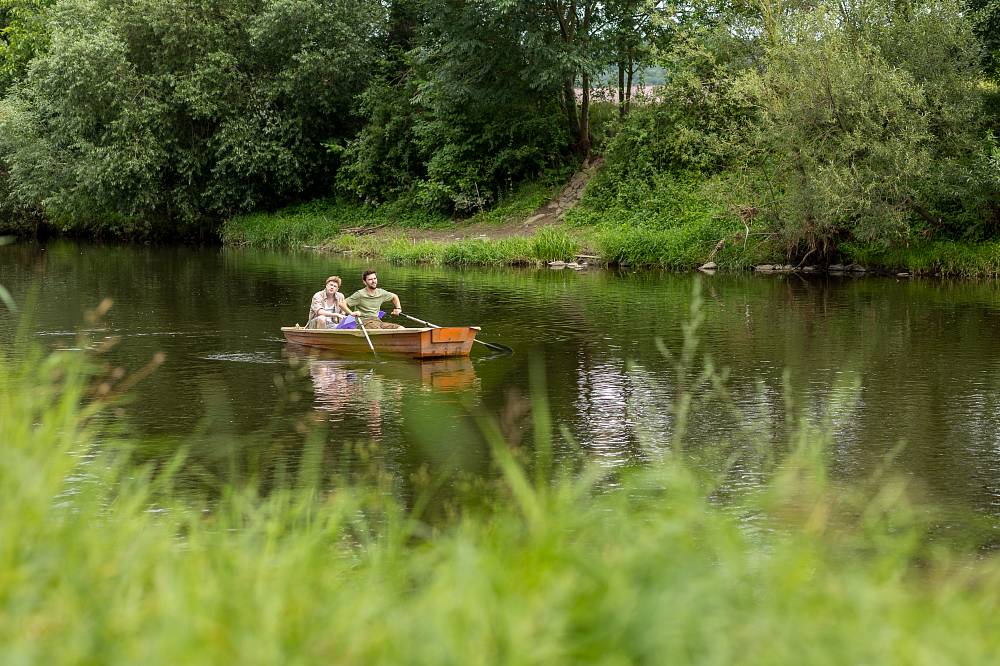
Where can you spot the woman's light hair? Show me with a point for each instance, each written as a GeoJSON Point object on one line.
{"type": "Point", "coordinates": [333, 278]}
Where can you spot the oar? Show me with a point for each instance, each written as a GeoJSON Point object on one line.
{"type": "Point", "coordinates": [363, 330]}
{"type": "Point", "coordinates": [501, 348]}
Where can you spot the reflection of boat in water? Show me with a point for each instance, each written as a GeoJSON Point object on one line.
{"type": "Point", "coordinates": [413, 342]}
{"type": "Point", "coordinates": [371, 395]}
{"type": "Point", "coordinates": [442, 374]}
{"type": "Point", "coordinates": [331, 374]}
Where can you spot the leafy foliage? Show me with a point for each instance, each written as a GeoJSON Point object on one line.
{"type": "Point", "coordinates": [867, 121]}
{"type": "Point", "coordinates": [847, 134]}
{"type": "Point", "coordinates": [986, 18]}
{"type": "Point", "coordinates": [870, 121]}
{"type": "Point", "coordinates": [963, 259]}
{"type": "Point", "coordinates": [23, 34]}
{"type": "Point", "coordinates": [143, 113]}
{"type": "Point", "coordinates": [688, 125]}
{"type": "Point", "coordinates": [467, 120]}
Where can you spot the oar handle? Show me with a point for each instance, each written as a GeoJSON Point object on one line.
{"type": "Point", "coordinates": [420, 321]}
{"type": "Point", "coordinates": [361, 324]}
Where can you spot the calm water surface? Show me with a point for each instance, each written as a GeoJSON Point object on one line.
{"type": "Point", "coordinates": [889, 362]}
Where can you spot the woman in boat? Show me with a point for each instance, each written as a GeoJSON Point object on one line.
{"type": "Point", "coordinates": [324, 311]}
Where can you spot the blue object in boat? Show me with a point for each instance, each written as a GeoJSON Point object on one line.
{"type": "Point", "coordinates": [351, 322]}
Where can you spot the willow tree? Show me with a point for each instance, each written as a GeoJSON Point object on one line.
{"type": "Point", "coordinates": [866, 125]}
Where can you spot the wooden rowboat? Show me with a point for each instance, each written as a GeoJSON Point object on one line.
{"type": "Point", "coordinates": [412, 342]}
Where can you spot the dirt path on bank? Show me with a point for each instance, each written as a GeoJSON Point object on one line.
{"type": "Point", "coordinates": [551, 213]}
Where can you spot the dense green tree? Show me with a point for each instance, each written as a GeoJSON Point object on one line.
{"type": "Point", "coordinates": [383, 160]}
{"type": "Point", "coordinates": [985, 16]}
{"type": "Point", "coordinates": [689, 125]}
{"type": "Point", "coordinates": [142, 114]}
{"type": "Point", "coordinates": [23, 34]}
{"type": "Point", "coordinates": [489, 118]}
{"type": "Point", "coordinates": [869, 122]}
{"type": "Point", "coordinates": [471, 114]}
{"type": "Point", "coordinates": [862, 119]}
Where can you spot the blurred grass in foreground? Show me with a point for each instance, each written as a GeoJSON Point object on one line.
{"type": "Point", "coordinates": [100, 563]}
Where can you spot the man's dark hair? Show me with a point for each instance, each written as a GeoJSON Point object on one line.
{"type": "Point", "coordinates": [364, 276]}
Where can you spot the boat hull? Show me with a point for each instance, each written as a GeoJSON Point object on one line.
{"type": "Point", "coordinates": [411, 342]}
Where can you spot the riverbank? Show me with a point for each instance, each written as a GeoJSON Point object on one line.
{"type": "Point", "coordinates": [680, 227]}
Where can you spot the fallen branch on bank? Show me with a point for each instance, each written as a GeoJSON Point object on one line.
{"type": "Point", "coordinates": [363, 231]}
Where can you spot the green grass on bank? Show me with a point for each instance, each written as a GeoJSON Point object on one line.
{"type": "Point", "coordinates": [667, 222]}
{"type": "Point", "coordinates": [962, 259]}
{"type": "Point", "coordinates": [320, 221]}
{"type": "Point", "coordinates": [669, 232]}
{"type": "Point", "coordinates": [549, 244]}
{"type": "Point", "coordinates": [101, 563]}
{"type": "Point", "coordinates": [315, 222]}
{"type": "Point", "coordinates": [683, 248]}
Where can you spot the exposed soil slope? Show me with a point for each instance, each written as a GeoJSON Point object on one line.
{"type": "Point", "coordinates": [551, 213]}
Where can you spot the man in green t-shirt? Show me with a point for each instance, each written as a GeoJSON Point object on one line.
{"type": "Point", "coordinates": [365, 303]}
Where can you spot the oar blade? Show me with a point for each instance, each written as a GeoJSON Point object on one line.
{"type": "Point", "coordinates": [496, 347]}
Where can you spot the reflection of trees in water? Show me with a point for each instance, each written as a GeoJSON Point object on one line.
{"type": "Point", "coordinates": [886, 363]}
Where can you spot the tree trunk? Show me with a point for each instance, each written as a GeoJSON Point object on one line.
{"type": "Point", "coordinates": [583, 144]}
{"type": "Point", "coordinates": [628, 87]}
{"type": "Point", "coordinates": [622, 95]}
{"type": "Point", "coordinates": [404, 20]}
{"type": "Point", "coordinates": [401, 37]}
{"type": "Point", "coordinates": [569, 102]}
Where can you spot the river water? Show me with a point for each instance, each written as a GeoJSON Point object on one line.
{"type": "Point", "coordinates": [895, 368]}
